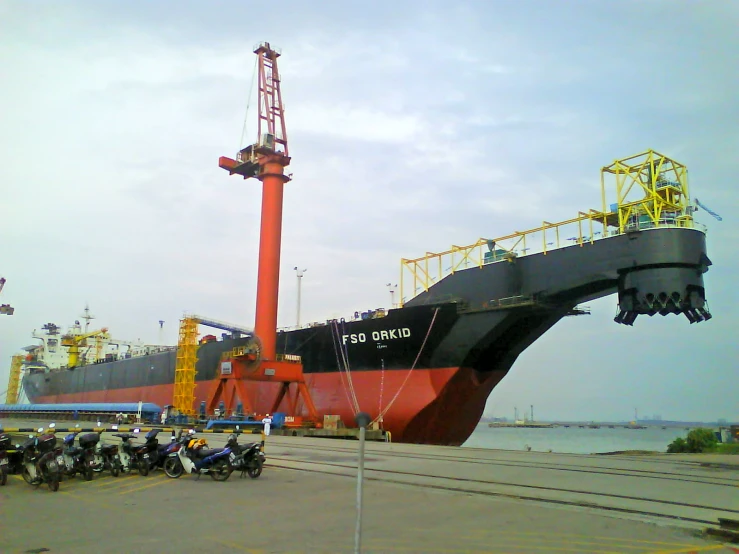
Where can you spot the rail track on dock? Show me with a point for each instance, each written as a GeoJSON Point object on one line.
{"type": "Point", "coordinates": [558, 466]}
{"type": "Point", "coordinates": [317, 459]}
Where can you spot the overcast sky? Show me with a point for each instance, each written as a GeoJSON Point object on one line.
{"type": "Point", "coordinates": [412, 125]}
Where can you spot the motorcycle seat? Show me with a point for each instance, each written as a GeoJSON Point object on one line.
{"type": "Point", "coordinates": [205, 453]}
{"type": "Point", "coordinates": [73, 451]}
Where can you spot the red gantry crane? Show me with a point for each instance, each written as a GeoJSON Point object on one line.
{"type": "Point", "coordinates": [266, 161]}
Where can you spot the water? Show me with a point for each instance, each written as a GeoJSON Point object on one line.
{"type": "Point", "coordinates": [574, 440]}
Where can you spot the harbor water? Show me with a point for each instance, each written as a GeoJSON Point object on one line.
{"type": "Point", "coordinates": [573, 439]}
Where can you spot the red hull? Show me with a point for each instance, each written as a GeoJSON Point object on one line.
{"type": "Point", "coordinates": [438, 406]}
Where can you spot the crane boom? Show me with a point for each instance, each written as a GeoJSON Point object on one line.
{"type": "Point", "coordinates": [5, 309]}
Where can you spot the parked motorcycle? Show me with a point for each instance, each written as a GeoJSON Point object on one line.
{"type": "Point", "coordinates": [249, 457]}
{"type": "Point", "coordinates": [42, 459]}
{"type": "Point", "coordinates": [107, 456]}
{"type": "Point", "coordinates": [196, 458]}
{"type": "Point", "coordinates": [5, 443]}
{"type": "Point", "coordinates": [80, 459]}
{"type": "Point", "coordinates": [133, 456]}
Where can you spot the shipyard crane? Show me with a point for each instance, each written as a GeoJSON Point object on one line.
{"type": "Point", "coordinates": [187, 357]}
{"type": "Point", "coordinates": [265, 160]}
{"type": "Point", "coordinates": [73, 342]}
{"type": "Point", "coordinates": [5, 309]}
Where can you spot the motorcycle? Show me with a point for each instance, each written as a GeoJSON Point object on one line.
{"type": "Point", "coordinates": [195, 457]}
{"type": "Point", "coordinates": [108, 457]}
{"type": "Point", "coordinates": [5, 444]}
{"type": "Point", "coordinates": [42, 459]}
{"type": "Point", "coordinates": [249, 457]}
{"type": "Point", "coordinates": [80, 459]}
{"type": "Point", "coordinates": [133, 456]}
{"type": "Point", "coordinates": [164, 450]}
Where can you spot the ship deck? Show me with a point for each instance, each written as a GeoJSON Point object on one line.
{"type": "Point", "coordinates": [418, 498]}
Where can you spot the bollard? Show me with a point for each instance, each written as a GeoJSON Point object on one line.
{"type": "Point", "coordinates": [362, 419]}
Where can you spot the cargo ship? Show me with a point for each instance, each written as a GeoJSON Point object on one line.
{"type": "Point", "coordinates": [423, 370]}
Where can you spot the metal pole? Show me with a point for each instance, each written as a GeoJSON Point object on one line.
{"type": "Point", "coordinates": [363, 420]}
{"type": "Point", "coordinates": [300, 279]}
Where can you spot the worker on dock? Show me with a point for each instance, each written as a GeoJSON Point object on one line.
{"type": "Point", "coordinates": [267, 422]}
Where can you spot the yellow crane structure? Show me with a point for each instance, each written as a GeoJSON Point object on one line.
{"type": "Point", "coordinates": [187, 357]}
{"type": "Point", "coordinates": [184, 372]}
{"type": "Point", "coordinates": [75, 342]}
{"type": "Point", "coordinates": [14, 383]}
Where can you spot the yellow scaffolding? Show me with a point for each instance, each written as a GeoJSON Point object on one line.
{"type": "Point", "coordinates": [184, 374]}
{"type": "Point", "coordinates": [14, 383]}
{"type": "Point", "coordinates": [665, 204]}
{"type": "Point", "coordinates": [664, 184]}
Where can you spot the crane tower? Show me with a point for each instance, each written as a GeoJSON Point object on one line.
{"type": "Point", "coordinates": [265, 160]}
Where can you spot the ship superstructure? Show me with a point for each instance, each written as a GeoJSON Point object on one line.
{"type": "Point", "coordinates": [57, 351]}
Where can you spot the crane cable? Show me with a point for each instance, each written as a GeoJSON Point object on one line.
{"type": "Point", "coordinates": [248, 102]}
{"type": "Point", "coordinates": [410, 371]}
{"type": "Point", "coordinates": [343, 365]}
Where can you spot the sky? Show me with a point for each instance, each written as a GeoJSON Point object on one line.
{"type": "Point", "coordinates": [412, 126]}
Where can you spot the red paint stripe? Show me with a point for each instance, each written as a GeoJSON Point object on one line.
{"type": "Point", "coordinates": [438, 406]}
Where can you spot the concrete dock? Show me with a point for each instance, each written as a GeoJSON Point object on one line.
{"type": "Point", "coordinates": [421, 499]}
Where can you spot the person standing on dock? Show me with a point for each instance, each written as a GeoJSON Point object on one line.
{"type": "Point", "coordinates": [267, 421]}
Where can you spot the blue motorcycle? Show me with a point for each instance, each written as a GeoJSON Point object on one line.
{"type": "Point", "coordinates": [195, 457]}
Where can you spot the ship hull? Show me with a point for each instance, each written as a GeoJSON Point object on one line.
{"type": "Point", "coordinates": [428, 368]}
{"type": "Point", "coordinates": [404, 394]}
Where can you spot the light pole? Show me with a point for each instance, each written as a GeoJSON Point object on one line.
{"type": "Point", "coordinates": [392, 289]}
{"type": "Point", "coordinates": [299, 273]}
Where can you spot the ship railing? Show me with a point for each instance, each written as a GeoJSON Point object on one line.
{"type": "Point", "coordinates": [586, 229]}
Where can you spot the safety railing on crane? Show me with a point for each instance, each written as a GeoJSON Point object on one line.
{"type": "Point", "coordinates": [664, 202]}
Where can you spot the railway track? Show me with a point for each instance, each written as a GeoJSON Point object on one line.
{"type": "Point", "coordinates": [680, 497]}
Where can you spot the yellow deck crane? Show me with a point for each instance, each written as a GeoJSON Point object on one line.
{"type": "Point", "coordinates": [5, 309]}
{"type": "Point", "coordinates": [75, 342]}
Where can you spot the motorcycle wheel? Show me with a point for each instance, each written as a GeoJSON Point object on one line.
{"type": "Point", "coordinates": [54, 483]}
{"type": "Point", "coordinates": [173, 468]}
{"type": "Point", "coordinates": [88, 473]}
{"type": "Point", "coordinates": [255, 468]}
{"type": "Point", "coordinates": [220, 471]}
{"type": "Point", "coordinates": [143, 466]}
{"type": "Point", "coordinates": [115, 471]}
{"type": "Point", "coordinates": [3, 476]}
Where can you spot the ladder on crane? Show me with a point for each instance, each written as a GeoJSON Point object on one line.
{"type": "Point", "coordinates": [14, 382]}
{"type": "Point", "coordinates": [187, 358]}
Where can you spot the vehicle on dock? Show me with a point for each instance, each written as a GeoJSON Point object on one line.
{"type": "Point", "coordinates": [132, 456]}
{"type": "Point", "coordinates": [80, 459]}
{"type": "Point", "coordinates": [5, 444]}
{"type": "Point", "coordinates": [42, 459]}
{"type": "Point", "coordinates": [196, 457]}
{"type": "Point", "coordinates": [249, 458]}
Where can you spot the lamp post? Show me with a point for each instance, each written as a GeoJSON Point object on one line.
{"type": "Point", "coordinates": [392, 289]}
{"type": "Point", "coordinates": [362, 419]}
{"type": "Point", "coordinates": [299, 273]}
